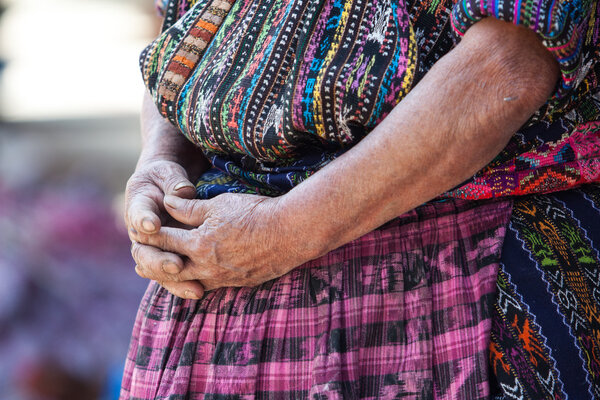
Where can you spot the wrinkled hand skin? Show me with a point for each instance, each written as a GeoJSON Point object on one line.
{"type": "Point", "coordinates": [144, 210]}
{"type": "Point", "coordinates": [145, 191]}
{"type": "Point", "coordinates": [236, 240]}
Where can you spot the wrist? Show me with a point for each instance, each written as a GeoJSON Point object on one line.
{"type": "Point", "coordinates": [148, 157]}
{"type": "Point", "coordinates": [303, 223]}
{"type": "Point", "coordinates": [177, 150]}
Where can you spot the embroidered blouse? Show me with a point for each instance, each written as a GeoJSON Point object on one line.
{"type": "Point", "coordinates": [272, 90]}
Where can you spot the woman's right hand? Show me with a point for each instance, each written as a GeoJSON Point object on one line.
{"type": "Point", "coordinates": [146, 188]}
{"type": "Point", "coordinates": [145, 213]}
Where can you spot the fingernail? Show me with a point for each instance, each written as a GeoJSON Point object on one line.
{"type": "Point", "coordinates": [191, 295]}
{"type": "Point", "coordinates": [182, 185]}
{"type": "Point", "coordinates": [172, 201]}
{"type": "Point", "coordinates": [148, 225]}
{"type": "Point", "coordinates": [170, 267]}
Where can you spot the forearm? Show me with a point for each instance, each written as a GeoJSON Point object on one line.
{"type": "Point", "coordinates": [161, 140]}
{"type": "Point", "coordinates": [454, 122]}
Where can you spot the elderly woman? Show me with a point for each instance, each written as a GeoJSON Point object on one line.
{"type": "Point", "coordinates": [349, 199]}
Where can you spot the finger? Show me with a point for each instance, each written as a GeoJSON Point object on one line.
{"type": "Point", "coordinates": [211, 284]}
{"type": "Point", "coordinates": [155, 264]}
{"type": "Point", "coordinates": [133, 235]}
{"type": "Point", "coordinates": [190, 212]}
{"type": "Point", "coordinates": [143, 214]}
{"type": "Point", "coordinates": [174, 240]}
{"type": "Point", "coordinates": [192, 290]}
{"type": "Point", "coordinates": [136, 236]}
{"type": "Point", "coordinates": [173, 180]}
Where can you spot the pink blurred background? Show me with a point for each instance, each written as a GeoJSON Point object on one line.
{"type": "Point", "coordinates": [69, 97]}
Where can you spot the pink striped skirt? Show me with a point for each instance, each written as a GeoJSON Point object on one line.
{"type": "Point", "coordinates": [402, 312]}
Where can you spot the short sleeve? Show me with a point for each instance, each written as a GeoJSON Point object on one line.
{"type": "Point", "coordinates": [567, 29]}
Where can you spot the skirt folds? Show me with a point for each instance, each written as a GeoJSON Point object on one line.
{"type": "Point", "coordinates": [402, 312]}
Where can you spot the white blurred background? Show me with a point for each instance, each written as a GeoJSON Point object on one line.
{"type": "Point", "coordinates": [70, 90]}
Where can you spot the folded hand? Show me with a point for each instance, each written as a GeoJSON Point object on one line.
{"type": "Point", "coordinates": [232, 240]}
{"type": "Point", "coordinates": [144, 211]}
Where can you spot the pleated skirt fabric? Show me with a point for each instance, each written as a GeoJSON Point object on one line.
{"type": "Point", "coordinates": [403, 312]}
{"type": "Point", "coordinates": [454, 300]}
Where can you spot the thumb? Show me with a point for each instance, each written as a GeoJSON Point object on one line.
{"type": "Point", "coordinates": [179, 186]}
{"type": "Point", "coordinates": [189, 212]}
{"type": "Point", "coordinates": [173, 180]}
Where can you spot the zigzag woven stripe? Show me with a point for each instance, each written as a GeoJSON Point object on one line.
{"type": "Point", "coordinates": [528, 370]}
{"type": "Point", "coordinates": [190, 51]}
{"type": "Point", "coordinates": [571, 161]}
{"type": "Point", "coordinates": [547, 234]}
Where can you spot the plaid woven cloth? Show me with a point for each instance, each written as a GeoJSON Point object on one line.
{"type": "Point", "coordinates": [403, 312]}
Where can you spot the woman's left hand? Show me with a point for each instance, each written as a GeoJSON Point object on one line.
{"type": "Point", "coordinates": [232, 240]}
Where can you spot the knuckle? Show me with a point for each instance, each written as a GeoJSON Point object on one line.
{"type": "Point", "coordinates": [189, 210]}
{"type": "Point", "coordinates": [194, 238]}
{"type": "Point", "coordinates": [133, 179]}
{"type": "Point", "coordinates": [134, 186]}
{"type": "Point", "coordinates": [198, 246]}
{"type": "Point", "coordinates": [210, 249]}
{"type": "Point", "coordinates": [160, 171]}
{"type": "Point", "coordinates": [138, 194]}
{"type": "Point", "coordinates": [131, 182]}
{"type": "Point", "coordinates": [131, 232]}
{"type": "Point", "coordinates": [140, 271]}
{"type": "Point", "coordinates": [138, 181]}
{"type": "Point", "coordinates": [135, 249]}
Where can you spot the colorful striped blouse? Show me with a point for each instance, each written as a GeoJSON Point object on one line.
{"type": "Point", "coordinates": [272, 90]}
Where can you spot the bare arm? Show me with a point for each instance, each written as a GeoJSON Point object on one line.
{"type": "Point", "coordinates": [453, 123]}
{"type": "Point", "coordinates": [162, 140]}
{"type": "Point", "coordinates": [450, 125]}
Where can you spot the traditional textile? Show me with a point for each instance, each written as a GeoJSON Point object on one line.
{"type": "Point", "coordinates": [402, 312]}
{"type": "Point", "coordinates": [566, 27]}
{"type": "Point", "coordinates": [546, 319]}
{"type": "Point", "coordinates": [273, 90]}
{"type": "Point", "coordinates": [286, 86]}
{"type": "Point", "coordinates": [567, 156]}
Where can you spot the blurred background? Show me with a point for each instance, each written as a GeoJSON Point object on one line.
{"type": "Point", "coordinates": [70, 90]}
